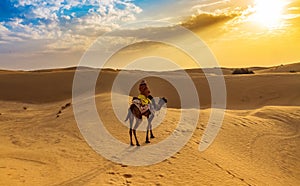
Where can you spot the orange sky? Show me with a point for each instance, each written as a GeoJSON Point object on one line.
{"type": "Point", "coordinates": [265, 34]}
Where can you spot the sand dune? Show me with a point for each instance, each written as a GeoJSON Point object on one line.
{"type": "Point", "coordinates": [258, 143]}
{"type": "Point", "coordinates": [292, 68]}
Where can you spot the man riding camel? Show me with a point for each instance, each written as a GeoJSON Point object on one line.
{"type": "Point", "coordinates": [144, 96]}
{"type": "Point", "coordinates": [143, 105]}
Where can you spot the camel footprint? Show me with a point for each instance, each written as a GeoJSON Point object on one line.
{"type": "Point", "coordinates": [62, 108]}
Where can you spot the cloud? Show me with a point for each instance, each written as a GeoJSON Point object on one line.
{"type": "Point", "coordinates": [208, 4]}
{"type": "Point", "coordinates": [293, 10]}
{"type": "Point", "coordinates": [3, 28]}
{"type": "Point", "coordinates": [60, 20]}
{"type": "Point", "coordinates": [206, 13]}
{"type": "Point", "coordinates": [7, 36]}
{"type": "Point", "coordinates": [207, 19]}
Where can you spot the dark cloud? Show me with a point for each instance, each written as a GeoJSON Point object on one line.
{"type": "Point", "coordinates": [206, 19]}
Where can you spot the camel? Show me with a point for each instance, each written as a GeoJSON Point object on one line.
{"type": "Point", "coordinates": [135, 112]}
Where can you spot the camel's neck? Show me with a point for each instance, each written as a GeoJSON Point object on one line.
{"type": "Point", "coordinates": [160, 103]}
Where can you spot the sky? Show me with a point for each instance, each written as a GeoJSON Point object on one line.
{"type": "Point", "coordinates": [36, 34]}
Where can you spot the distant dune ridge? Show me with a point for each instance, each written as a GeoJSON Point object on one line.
{"type": "Point", "coordinates": [258, 143]}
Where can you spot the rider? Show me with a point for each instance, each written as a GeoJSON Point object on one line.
{"type": "Point", "coordinates": [143, 96]}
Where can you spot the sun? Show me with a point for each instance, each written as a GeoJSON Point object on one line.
{"type": "Point", "coordinates": [268, 13]}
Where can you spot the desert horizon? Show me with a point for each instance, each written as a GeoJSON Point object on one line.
{"type": "Point", "coordinates": [284, 67]}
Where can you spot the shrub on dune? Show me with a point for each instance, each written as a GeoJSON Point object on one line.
{"type": "Point", "coordinates": [242, 71]}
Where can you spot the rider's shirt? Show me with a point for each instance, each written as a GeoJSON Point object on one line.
{"type": "Point", "coordinates": [144, 99]}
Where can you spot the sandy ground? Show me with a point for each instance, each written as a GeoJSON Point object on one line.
{"type": "Point", "coordinates": [258, 143]}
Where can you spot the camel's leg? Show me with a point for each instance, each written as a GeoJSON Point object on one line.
{"type": "Point", "coordinates": [151, 134]}
{"type": "Point", "coordinates": [130, 133]}
{"type": "Point", "coordinates": [138, 121]}
{"type": "Point", "coordinates": [149, 128]}
{"type": "Point", "coordinates": [150, 125]}
{"type": "Point", "coordinates": [147, 134]}
{"type": "Point", "coordinates": [130, 129]}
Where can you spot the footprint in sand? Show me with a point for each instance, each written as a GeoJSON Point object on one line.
{"type": "Point", "coordinates": [127, 175]}
{"type": "Point", "coordinates": [62, 108]}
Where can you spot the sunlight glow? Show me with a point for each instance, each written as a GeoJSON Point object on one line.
{"type": "Point", "coordinates": [268, 13]}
